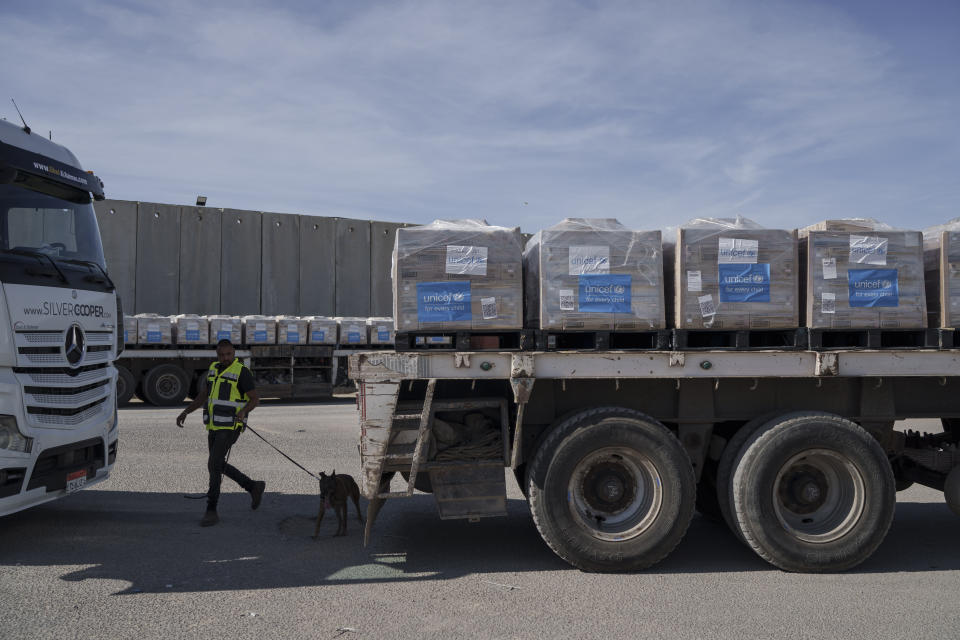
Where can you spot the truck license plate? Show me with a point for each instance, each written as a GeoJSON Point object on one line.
{"type": "Point", "coordinates": [76, 480]}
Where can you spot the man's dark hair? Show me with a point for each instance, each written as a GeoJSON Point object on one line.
{"type": "Point", "coordinates": [224, 343]}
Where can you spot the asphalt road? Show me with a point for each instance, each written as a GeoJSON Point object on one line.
{"type": "Point", "coordinates": [127, 559]}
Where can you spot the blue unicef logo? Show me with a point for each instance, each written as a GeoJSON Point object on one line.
{"type": "Point", "coordinates": [459, 296]}
{"type": "Point", "coordinates": [886, 284]}
{"type": "Point", "coordinates": [617, 288]}
{"type": "Point", "coordinates": [758, 278]}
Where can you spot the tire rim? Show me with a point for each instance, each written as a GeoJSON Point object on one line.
{"type": "Point", "coordinates": [168, 386]}
{"type": "Point", "coordinates": [615, 493]}
{"type": "Point", "coordinates": [819, 496]}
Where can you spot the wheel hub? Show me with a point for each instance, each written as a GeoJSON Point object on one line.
{"type": "Point", "coordinates": [608, 487]}
{"type": "Point", "coordinates": [804, 489]}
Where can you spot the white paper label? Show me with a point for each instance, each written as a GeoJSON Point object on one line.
{"type": "Point", "coordinates": [868, 250]}
{"type": "Point", "coordinates": [828, 302]}
{"type": "Point", "coordinates": [707, 308]}
{"type": "Point", "coordinates": [488, 308]}
{"type": "Point", "coordinates": [589, 260]}
{"type": "Point", "coordinates": [261, 326]}
{"type": "Point", "coordinates": [193, 326]}
{"type": "Point", "coordinates": [153, 326]}
{"type": "Point", "coordinates": [694, 282]}
{"type": "Point", "coordinates": [566, 300]}
{"type": "Point", "coordinates": [829, 268]}
{"type": "Point", "coordinates": [738, 251]}
{"type": "Point", "coordinates": [226, 326]}
{"type": "Point", "coordinates": [465, 260]}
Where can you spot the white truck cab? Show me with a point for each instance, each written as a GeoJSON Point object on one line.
{"type": "Point", "coordinates": [60, 326]}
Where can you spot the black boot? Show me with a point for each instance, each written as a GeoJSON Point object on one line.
{"type": "Point", "coordinates": [209, 519]}
{"type": "Point", "coordinates": [256, 493]}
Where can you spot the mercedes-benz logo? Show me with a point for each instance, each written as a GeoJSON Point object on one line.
{"type": "Point", "coordinates": [75, 345]}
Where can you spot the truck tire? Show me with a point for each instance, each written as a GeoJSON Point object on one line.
{"type": "Point", "coordinates": [813, 492]}
{"type": "Point", "coordinates": [611, 489]}
{"type": "Point", "coordinates": [126, 384]}
{"type": "Point", "coordinates": [731, 453]}
{"type": "Point", "coordinates": [165, 385]}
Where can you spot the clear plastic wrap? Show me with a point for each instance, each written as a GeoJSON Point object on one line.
{"type": "Point", "coordinates": [457, 274]}
{"type": "Point", "coordinates": [259, 330]}
{"type": "Point", "coordinates": [291, 330]}
{"type": "Point", "coordinates": [353, 331]}
{"type": "Point", "coordinates": [226, 328]}
{"type": "Point", "coordinates": [380, 330]}
{"type": "Point", "coordinates": [863, 274]}
{"type": "Point", "coordinates": [732, 273]}
{"type": "Point", "coordinates": [594, 274]}
{"type": "Point", "coordinates": [941, 263]}
{"type": "Point", "coordinates": [129, 329]}
{"type": "Point", "coordinates": [191, 329]}
{"type": "Point", "coordinates": [322, 330]}
{"type": "Point", "coordinates": [154, 329]}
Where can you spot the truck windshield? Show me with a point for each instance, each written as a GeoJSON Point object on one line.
{"type": "Point", "coordinates": [32, 221]}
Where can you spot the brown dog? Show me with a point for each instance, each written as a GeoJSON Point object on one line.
{"type": "Point", "coordinates": [334, 491]}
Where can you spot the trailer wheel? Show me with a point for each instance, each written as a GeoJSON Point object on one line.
{"type": "Point", "coordinates": [731, 453]}
{"type": "Point", "coordinates": [126, 384]}
{"type": "Point", "coordinates": [611, 489]}
{"type": "Point", "coordinates": [165, 385]}
{"type": "Point", "coordinates": [813, 492]}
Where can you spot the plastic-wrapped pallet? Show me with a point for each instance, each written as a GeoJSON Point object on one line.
{"type": "Point", "coordinates": [259, 330]}
{"type": "Point", "coordinates": [863, 274]}
{"type": "Point", "coordinates": [594, 273]}
{"type": "Point", "coordinates": [380, 330]}
{"type": "Point", "coordinates": [732, 273]}
{"type": "Point", "coordinates": [323, 330]}
{"type": "Point", "coordinates": [226, 328]}
{"type": "Point", "coordinates": [291, 330]}
{"type": "Point", "coordinates": [129, 330]}
{"type": "Point", "coordinates": [941, 264]}
{"type": "Point", "coordinates": [353, 330]}
{"type": "Point", "coordinates": [459, 274]}
{"type": "Point", "coordinates": [191, 329]}
{"type": "Point", "coordinates": [154, 329]}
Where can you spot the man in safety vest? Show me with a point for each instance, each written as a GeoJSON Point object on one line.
{"type": "Point", "coordinates": [227, 397]}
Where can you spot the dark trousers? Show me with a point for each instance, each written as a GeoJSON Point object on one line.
{"type": "Point", "coordinates": [219, 442]}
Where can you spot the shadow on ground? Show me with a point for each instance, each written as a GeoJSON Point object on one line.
{"type": "Point", "coordinates": [151, 542]}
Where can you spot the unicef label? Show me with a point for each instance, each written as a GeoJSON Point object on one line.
{"type": "Point", "coordinates": [589, 260]}
{"type": "Point", "coordinates": [443, 301]}
{"type": "Point", "coordinates": [293, 336]}
{"type": "Point", "coordinates": [737, 251]}
{"type": "Point", "coordinates": [868, 250]}
{"type": "Point", "coordinates": [744, 282]}
{"type": "Point", "coordinates": [318, 335]}
{"type": "Point", "coordinates": [605, 293]}
{"type": "Point", "coordinates": [873, 287]}
{"type": "Point", "coordinates": [466, 260]}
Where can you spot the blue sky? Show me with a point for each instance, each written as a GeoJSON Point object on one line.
{"type": "Point", "coordinates": [517, 112]}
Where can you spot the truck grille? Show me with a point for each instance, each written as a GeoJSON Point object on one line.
{"type": "Point", "coordinates": [45, 348]}
{"type": "Point", "coordinates": [65, 417]}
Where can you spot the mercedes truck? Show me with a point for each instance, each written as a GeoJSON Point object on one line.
{"type": "Point", "coordinates": [59, 317]}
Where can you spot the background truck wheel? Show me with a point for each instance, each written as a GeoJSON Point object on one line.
{"type": "Point", "coordinates": [813, 492]}
{"type": "Point", "coordinates": [731, 453]}
{"type": "Point", "coordinates": [126, 384]}
{"type": "Point", "coordinates": [611, 489]}
{"type": "Point", "coordinates": [165, 385]}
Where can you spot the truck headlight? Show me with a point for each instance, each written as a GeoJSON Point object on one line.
{"type": "Point", "coordinates": [10, 437]}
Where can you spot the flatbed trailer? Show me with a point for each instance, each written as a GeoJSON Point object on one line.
{"type": "Point", "coordinates": [614, 450]}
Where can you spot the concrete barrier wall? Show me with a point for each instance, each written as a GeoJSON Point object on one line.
{"type": "Point", "coordinates": [175, 259]}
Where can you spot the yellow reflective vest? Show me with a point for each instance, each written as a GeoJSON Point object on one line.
{"type": "Point", "coordinates": [224, 397]}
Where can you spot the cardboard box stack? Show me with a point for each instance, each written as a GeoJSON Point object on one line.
{"type": "Point", "coordinates": [129, 330]}
{"type": "Point", "coordinates": [862, 274]}
{"type": "Point", "coordinates": [353, 330]}
{"type": "Point", "coordinates": [154, 329]}
{"type": "Point", "coordinates": [594, 273]}
{"type": "Point", "coordinates": [457, 275]}
{"type": "Point", "coordinates": [322, 330]}
{"type": "Point", "coordinates": [941, 264]}
{"type": "Point", "coordinates": [734, 274]}
{"type": "Point", "coordinates": [191, 329]}
{"type": "Point", "coordinates": [380, 330]}
{"type": "Point", "coordinates": [259, 330]}
{"type": "Point", "coordinates": [226, 328]}
{"type": "Point", "coordinates": [291, 330]}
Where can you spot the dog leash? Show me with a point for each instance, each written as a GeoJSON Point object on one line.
{"type": "Point", "coordinates": [310, 473]}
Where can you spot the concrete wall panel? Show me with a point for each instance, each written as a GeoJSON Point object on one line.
{"type": "Point", "coordinates": [280, 287]}
{"type": "Point", "coordinates": [318, 253]}
{"type": "Point", "coordinates": [199, 260]}
{"type": "Point", "coordinates": [117, 220]}
{"type": "Point", "coordinates": [382, 236]}
{"type": "Point", "coordinates": [353, 267]}
{"type": "Point", "coordinates": [240, 235]}
{"type": "Point", "coordinates": [158, 258]}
